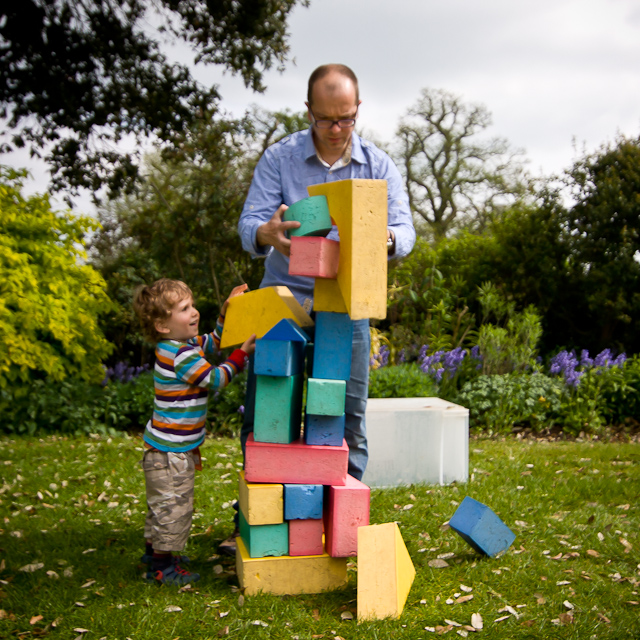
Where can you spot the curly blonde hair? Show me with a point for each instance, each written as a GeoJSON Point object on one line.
{"type": "Point", "coordinates": [155, 302]}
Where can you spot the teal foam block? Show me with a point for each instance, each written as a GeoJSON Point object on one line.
{"type": "Point", "coordinates": [326, 397]}
{"type": "Point", "coordinates": [303, 501]}
{"type": "Point", "coordinates": [480, 527]}
{"type": "Point", "coordinates": [312, 214]}
{"type": "Point", "coordinates": [332, 346]}
{"type": "Point", "coordinates": [262, 540]}
{"type": "Point", "coordinates": [278, 409]}
{"type": "Point", "coordinates": [278, 358]}
{"type": "Point", "coordinates": [324, 430]}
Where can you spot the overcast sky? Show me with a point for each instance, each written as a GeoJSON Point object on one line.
{"type": "Point", "coordinates": [550, 72]}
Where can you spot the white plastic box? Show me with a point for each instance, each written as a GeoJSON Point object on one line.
{"type": "Point", "coordinates": [416, 440]}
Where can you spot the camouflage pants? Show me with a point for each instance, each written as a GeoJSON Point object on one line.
{"type": "Point", "coordinates": [169, 481]}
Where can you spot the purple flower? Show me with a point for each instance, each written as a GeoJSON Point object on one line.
{"type": "Point", "coordinates": [241, 409]}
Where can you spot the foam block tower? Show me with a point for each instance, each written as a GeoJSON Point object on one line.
{"type": "Point", "coordinates": [300, 511]}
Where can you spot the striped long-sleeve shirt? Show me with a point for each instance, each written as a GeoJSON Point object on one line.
{"type": "Point", "coordinates": [182, 379]}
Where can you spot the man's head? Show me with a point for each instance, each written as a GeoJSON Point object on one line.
{"type": "Point", "coordinates": [332, 97]}
{"type": "Point", "coordinates": [159, 308]}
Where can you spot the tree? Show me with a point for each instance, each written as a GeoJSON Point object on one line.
{"type": "Point", "coordinates": [50, 299]}
{"type": "Point", "coordinates": [453, 178]}
{"type": "Point", "coordinates": [77, 76]}
{"type": "Point", "coordinates": [182, 221]}
{"type": "Point", "coordinates": [603, 239]}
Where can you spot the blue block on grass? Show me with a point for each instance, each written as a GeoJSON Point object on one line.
{"type": "Point", "coordinates": [480, 527]}
{"type": "Point", "coordinates": [278, 358]}
{"type": "Point", "coordinates": [324, 430]}
{"type": "Point", "coordinates": [303, 501]}
{"type": "Point", "coordinates": [332, 346]}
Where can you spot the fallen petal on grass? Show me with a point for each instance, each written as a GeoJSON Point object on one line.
{"type": "Point", "coordinates": [476, 621]}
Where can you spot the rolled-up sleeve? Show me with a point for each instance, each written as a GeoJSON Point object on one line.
{"type": "Point", "coordinates": [399, 219]}
{"type": "Point", "coordinates": [263, 200]}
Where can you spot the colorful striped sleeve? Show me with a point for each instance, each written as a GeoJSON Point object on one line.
{"type": "Point", "coordinates": [191, 368]}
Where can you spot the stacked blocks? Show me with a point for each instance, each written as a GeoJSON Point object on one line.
{"type": "Point", "coordinates": [480, 527]}
{"type": "Point", "coordinates": [385, 572]}
{"type": "Point", "coordinates": [359, 209]}
{"type": "Point", "coordinates": [304, 481]}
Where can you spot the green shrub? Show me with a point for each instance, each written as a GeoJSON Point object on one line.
{"type": "Point", "coordinates": [400, 381]}
{"type": "Point", "coordinates": [620, 393]}
{"type": "Point", "coordinates": [497, 403]}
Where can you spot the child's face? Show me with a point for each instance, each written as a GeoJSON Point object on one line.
{"type": "Point", "coordinates": [182, 324]}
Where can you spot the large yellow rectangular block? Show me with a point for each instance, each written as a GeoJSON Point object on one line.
{"type": "Point", "coordinates": [261, 503]}
{"type": "Point", "coordinates": [385, 572]}
{"type": "Point", "coordinates": [289, 575]}
{"type": "Point", "coordinates": [359, 209]}
{"type": "Point", "coordinates": [258, 312]}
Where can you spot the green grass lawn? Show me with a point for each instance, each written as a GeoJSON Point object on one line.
{"type": "Point", "coordinates": [72, 512]}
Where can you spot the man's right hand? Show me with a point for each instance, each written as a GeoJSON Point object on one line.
{"type": "Point", "coordinates": [272, 233]}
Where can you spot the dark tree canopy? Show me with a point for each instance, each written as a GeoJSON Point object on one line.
{"type": "Point", "coordinates": [76, 76]}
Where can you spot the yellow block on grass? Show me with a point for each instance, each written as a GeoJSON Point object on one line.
{"type": "Point", "coordinates": [289, 575]}
{"type": "Point", "coordinates": [359, 209]}
{"type": "Point", "coordinates": [259, 311]}
{"type": "Point", "coordinates": [385, 572]}
{"type": "Point", "coordinates": [261, 503]}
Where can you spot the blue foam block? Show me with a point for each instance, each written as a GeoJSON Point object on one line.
{"type": "Point", "coordinates": [480, 527]}
{"type": "Point", "coordinates": [324, 430]}
{"type": "Point", "coordinates": [303, 501]}
{"type": "Point", "coordinates": [332, 346]}
{"type": "Point", "coordinates": [286, 330]}
{"type": "Point", "coordinates": [278, 358]}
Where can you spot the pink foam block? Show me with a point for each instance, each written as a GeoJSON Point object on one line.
{"type": "Point", "coordinates": [314, 257]}
{"type": "Point", "coordinates": [305, 537]}
{"type": "Point", "coordinates": [296, 463]}
{"type": "Point", "coordinates": [346, 509]}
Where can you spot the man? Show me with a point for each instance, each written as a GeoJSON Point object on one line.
{"type": "Point", "coordinates": [329, 150]}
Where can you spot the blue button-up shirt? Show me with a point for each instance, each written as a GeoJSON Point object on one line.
{"type": "Point", "coordinates": [282, 176]}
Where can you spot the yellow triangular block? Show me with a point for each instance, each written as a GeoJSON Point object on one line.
{"type": "Point", "coordinates": [359, 209]}
{"type": "Point", "coordinates": [385, 572]}
{"type": "Point", "coordinates": [258, 312]}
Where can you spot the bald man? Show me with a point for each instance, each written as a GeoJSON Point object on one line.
{"type": "Point", "coordinates": [329, 150]}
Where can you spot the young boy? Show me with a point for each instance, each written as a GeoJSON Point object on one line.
{"type": "Point", "coordinates": [182, 378]}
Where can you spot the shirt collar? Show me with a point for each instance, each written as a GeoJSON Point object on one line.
{"type": "Point", "coordinates": [357, 153]}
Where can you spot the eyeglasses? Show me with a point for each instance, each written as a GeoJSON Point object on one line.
{"type": "Point", "coordinates": [343, 123]}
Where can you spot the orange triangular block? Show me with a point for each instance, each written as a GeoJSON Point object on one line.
{"type": "Point", "coordinates": [258, 312]}
{"type": "Point", "coordinates": [385, 572]}
{"type": "Point", "coordinates": [359, 209]}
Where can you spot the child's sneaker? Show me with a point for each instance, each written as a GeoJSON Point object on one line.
{"type": "Point", "coordinates": [173, 574]}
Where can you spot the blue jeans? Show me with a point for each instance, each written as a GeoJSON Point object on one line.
{"type": "Point", "coordinates": [355, 431]}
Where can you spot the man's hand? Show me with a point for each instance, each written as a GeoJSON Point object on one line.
{"type": "Point", "coordinates": [272, 233]}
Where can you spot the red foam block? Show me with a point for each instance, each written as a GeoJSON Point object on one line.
{"type": "Point", "coordinates": [313, 256]}
{"type": "Point", "coordinates": [346, 509]}
{"type": "Point", "coordinates": [305, 537]}
{"type": "Point", "coordinates": [295, 463]}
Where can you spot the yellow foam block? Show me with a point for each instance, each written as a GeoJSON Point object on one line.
{"type": "Point", "coordinates": [328, 297]}
{"type": "Point", "coordinates": [385, 572]}
{"type": "Point", "coordinates": [261, 503]}
{"type": "Point", "coordinates": [289, 575]}
{"type": "Point", "coordinates": [359, 209]}
{"type": "Point", "coordinates": [258, 312]}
